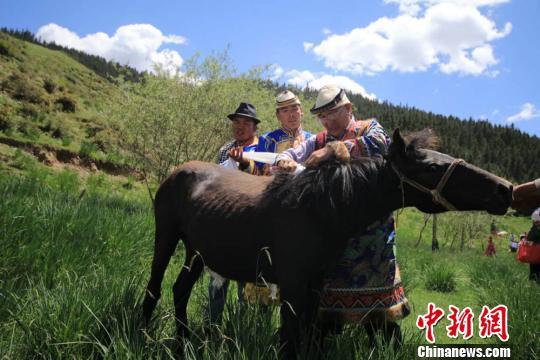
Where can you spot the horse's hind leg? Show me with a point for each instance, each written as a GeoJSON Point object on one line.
{"type": "Point", "coordinates": [193, 266]}
{"type": "Point", "coordinates": [166, 240]}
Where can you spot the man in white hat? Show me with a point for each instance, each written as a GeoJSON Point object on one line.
{"type": "Point", "coordinates": [290, 133]}
{"type": "Point", "coordinates": [374, 297]}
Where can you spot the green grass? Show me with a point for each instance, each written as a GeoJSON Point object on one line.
{"type": "Point", "coordinates": [73, 270]}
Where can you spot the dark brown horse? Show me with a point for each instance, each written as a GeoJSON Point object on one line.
{"type": "Point", "coordinates": [291, 229]}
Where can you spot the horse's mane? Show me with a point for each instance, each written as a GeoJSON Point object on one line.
{"type": "Point", "coordinates": [423, 139]}
{"type": "Point", "coordinates": [333, 190]}
{"type": "Point", "coordinates": [329, 191]}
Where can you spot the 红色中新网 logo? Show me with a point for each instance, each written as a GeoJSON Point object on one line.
{"type": "Point", "coordinates": [491, 322]}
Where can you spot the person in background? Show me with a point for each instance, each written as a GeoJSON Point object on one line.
{"type": "Point", "coordinates": [290, 133]}
{"type": "Point", "coordinates": [244, 123]}
{"type": "Point", "coordinates": [534, 236]}
{"type": "Point", "coordinates": [512, 243]}
{"type": "Point", "coordinates": [490, 249]}
{"type": "Point", "coordinates": [493, 228]}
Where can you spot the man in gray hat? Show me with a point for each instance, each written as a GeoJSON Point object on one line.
{"type": "Point", "coordinates": [290, 133]}
{"type": "Point", "coordinates": [377, 298]}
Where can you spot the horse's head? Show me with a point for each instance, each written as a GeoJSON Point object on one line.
{"type": "Point", "coordinates": [434, 182]}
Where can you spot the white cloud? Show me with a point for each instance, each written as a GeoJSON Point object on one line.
{"type": "Point", "coordinates": [326, 31]}
{"type": "Point", "coordinates": [135, 45]}
{"type": "Point", "coordinates": [307, 46]}
{"type": "Point", "coordinates": [306, 78]}
{"type": "Point", "coordinates": [452, 35]}
{"type": "Point", "coordinates": [528, 111]}
{"type": "Point", "coordinates": [276, 72]}
{"type": "Point", "coordinates": [413, 7]}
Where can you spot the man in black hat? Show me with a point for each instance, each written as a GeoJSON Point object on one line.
{"type": "Point", "coordinates": [244, 127]}
{"type": "Point", "coordinates": [244, 123]}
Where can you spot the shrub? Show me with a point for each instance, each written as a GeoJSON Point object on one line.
{"type": "Point", "coordinates": [115, 158]}
{"type": "Point", "coordinates": [129, 184]}
{"type": "Point", "coordinates": [57, 128]}
{"type": "Point", "coordinates": [21, 88]}
{"type": "Point", "coordinates": [5, 50]}
{"type": "Point", "coordinates": [440, 278]}
{"type": "Point", "coordinates": [23, 161]}
{"type": "Point", "coordinates": [30, 110]}
{"type": "Point", "coordinates": [104, 140]}
{"type": "Point", "coordinates": [33, 133]}
{"type": "Point", "coordinates": [7, 123]}
{"type": "Point", "coordinates": [28, 129]}
{"type": "Point", "coordinates": [66, 141]}
{"type": "Point", "coordinates": [10, 48]}
{"type": "Point", "coordinates": [87, 148]}
{"type": "Point", "coordinates": [66, 103]}
{"type": "Point", "coordinates": [49, 86]}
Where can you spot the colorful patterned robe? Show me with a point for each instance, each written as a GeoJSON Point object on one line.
{"type": "Point", "coordinates": [280, 140]}
{"type": "Point", "coordinates": [366, 281]}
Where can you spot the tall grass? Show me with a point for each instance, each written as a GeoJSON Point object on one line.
{"type": "Point", "coordinates": [498, 283]}
{"type": "Point", "coordinates": [440, 278]}
{"type": "Point", "coordinates": [73, 270]}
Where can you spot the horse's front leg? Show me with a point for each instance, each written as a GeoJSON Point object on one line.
{"type": "Point", "coordinates": [294, 304]}
{"type": "Point", "coordinates": [191, 270]}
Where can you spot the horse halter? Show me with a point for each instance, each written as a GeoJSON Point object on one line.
{"type": "Point", "coordinates": [435, 193]}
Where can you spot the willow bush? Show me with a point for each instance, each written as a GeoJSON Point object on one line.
{"type": "Point", "coordinates": [167, 120]}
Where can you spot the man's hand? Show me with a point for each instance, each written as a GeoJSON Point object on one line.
{"type": "Point", "coordinates": [288, 165]}
{"type": "Point", "coordinates": [334, 148]}
{"type": "Point", "coordinates": [318, 156]}
{"type": "Point", "coordinates": [236, 154]}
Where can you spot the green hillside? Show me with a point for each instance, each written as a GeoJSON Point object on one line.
{"type": "Point", "coordinates": [49, 100]}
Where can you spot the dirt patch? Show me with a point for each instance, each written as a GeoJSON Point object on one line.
{"type": "Point", "coordinates": [54, 157]}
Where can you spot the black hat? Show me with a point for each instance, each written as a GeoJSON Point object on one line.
{"type": "Point", "coordinates": [247, 110]}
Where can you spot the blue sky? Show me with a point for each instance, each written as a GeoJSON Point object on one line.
{"type": "Point", "coordinates": [468, 58]}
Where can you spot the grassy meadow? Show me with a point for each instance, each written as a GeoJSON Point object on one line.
{"type": "Point", "coordinates": [76, 253]}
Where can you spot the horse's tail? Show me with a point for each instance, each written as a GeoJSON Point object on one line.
{"type": "Point", "coordinates": [167, 237]}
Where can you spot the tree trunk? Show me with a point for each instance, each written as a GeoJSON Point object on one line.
{"type": "Point", "coordinates": [462, 239]}
{"type": "Point", "coordinates": [434, 241]}
{"type": "Point", "coordinates": [426, 219]}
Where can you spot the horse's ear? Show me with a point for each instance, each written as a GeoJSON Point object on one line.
{"type": "Point", "coordinates": [398, 147]}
